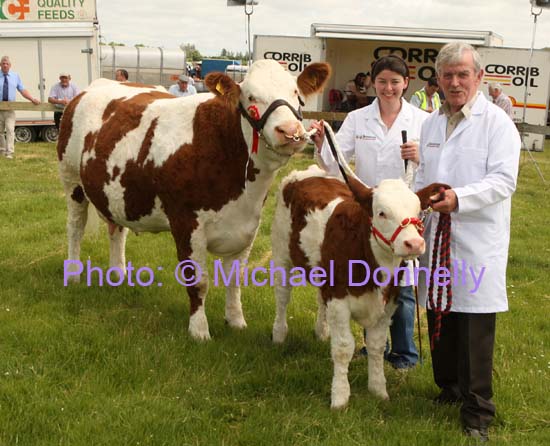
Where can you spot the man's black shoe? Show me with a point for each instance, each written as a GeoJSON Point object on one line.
{"type": "Point", "coordinates": [479, 433]}
{"type": "Point", "coordinates": [448, 396]}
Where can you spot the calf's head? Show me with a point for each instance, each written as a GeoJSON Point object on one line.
{"type": "Point", "coordinates": [270, 99]}
{"type": "Point", "coordinates": [395, 213]}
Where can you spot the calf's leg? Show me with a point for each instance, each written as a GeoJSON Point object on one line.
{"type": "Point", "coordinates": [321, 326]}
{"type": "Point", "coordinates": [376, 343]}
{"type": "Point", "coordinates": [342, 345]}
{"type": "Point", "coordinates": [282, 298]}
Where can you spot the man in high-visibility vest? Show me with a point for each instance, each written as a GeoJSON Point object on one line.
{"type": "Point", "coordinates": [427, 98]}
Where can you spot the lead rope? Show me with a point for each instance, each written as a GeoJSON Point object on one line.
{"type": "Point", "coordinates": [441, 251]}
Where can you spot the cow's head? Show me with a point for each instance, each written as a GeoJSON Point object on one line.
{"type": "Point", "coordinates": [270, 99]}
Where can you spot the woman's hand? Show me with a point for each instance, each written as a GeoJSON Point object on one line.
{"type": "Point", "coordinates": [318, 137]}
{"type": "Point", "coordinates": [409, 151]}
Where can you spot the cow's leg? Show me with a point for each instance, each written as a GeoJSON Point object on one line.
{"type": "Point", "coordinates": [321, 326]}
{"type": "Point", "coordinates": [192, 271]}
{"type": "Point", "coordinates": [342, 345]}
{"type": "Point", "coordinates": [232, 268]}
{"type": "Point", "coordinates": [117, 247]}
{"type": "Point", "coordinates": [283, 292]}
{"type": "Point", "coordinates": [376, 343]}
{"type": "Point", "coordinates": [77, 215]}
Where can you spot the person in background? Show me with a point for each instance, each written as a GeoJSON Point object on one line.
{"type": "Point", "coordinates": [61, 94]}
{"type": "Point", "coordinates": [9, 83]}
{"type": "Point", "coordinates": [182, 87]}
{"type": "Point", "coordinates": [500, 99]}
{"type": "Point", "coordinates": [471, 145]}
{"type": "Point", "coordinates": [121, 75]}
{"type": "Point", "coordinates": [427, 98]}
{"type": "Point", "coordinates": [356, 91]}
{"type": "Point", "coordinates": [373, 135]}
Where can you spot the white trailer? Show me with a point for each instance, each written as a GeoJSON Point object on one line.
{"type": "Point", "coordinates": [42, 40]}
{"type": "Point", "coordinates": [158, 66]}
{"type": "Point", "coordinates": [351, 49]}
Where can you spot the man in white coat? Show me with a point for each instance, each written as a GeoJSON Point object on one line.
{"type": "Point", "coordinates": [473, 146]}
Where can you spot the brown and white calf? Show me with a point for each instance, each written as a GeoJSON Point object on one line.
{"type": "Point", "coordinates": [151, 162]}
{"type": "Point", "coordinates": [321, 224]}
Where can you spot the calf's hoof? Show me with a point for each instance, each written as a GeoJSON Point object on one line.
{"type": "Point", "coordinates": [379, 393]}
{"type": "Point", "coordinates": [238, 323]}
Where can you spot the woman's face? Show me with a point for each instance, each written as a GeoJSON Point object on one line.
{"type": "Point", "coordinates": [389, 86]}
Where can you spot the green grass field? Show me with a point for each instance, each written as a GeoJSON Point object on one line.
{"type": "Point", "coordinates": [114, 366]}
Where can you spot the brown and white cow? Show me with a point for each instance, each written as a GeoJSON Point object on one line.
{"type": "Point", "coordinates": [151, 162]}
{"type": "Point", "coordinates": [320, 223]}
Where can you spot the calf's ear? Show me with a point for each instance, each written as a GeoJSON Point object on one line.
{"type": "Point", "coordinates": [314, 77]}
{"type": "Point", "coordinates": [223, 87]}
{"type": "Point", "coordinates": [425, 195]}
{"type": "Point", "coordinates": [362, 194]}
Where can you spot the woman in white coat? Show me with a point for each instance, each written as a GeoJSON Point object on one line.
{"type": "Point", "coordinates": [373, 136]}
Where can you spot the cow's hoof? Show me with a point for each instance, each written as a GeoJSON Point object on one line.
{"type": "Point", "coordinates": [278, 336]}
{"type": "Point", "coordinates": [198, 327]}
{"type": "Point", "coordinates": [73, 279]}
{"type": "Point", "coordinates": [200, 336]}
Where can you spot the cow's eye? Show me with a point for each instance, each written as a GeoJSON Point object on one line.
{"type": "Point", "coordinates": [381, 214]}
{"type": "Point", "coordinates": [251, 98]}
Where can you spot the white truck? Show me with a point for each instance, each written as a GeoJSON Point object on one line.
{"type": "Point", "coordinates": [351, 49]}
{"type": "Point", "coordinates": [42, 39]}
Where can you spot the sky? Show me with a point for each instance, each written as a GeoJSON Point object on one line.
{"type": "Point", "coordinates": [211, 25]}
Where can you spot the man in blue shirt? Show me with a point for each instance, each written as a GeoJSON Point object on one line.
{"type": "Point", "coordinates": [182, 88]}
{"type": "Point", "coordinates": [61, 94]}
{"type": "Point", "coordinates": [9, 82]}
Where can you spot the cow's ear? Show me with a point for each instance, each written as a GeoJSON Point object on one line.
{"type": "Point", "coordinates": [362, 194]}
{"type": "Point", "coordinates": [224, 87]}
{"type": "Point", "coordinates": [426, 193]}
{"type": "Point", "coordinates": [313, 78]}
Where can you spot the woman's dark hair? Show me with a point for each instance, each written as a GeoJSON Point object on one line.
{"type": "Point", "coordinates": [390, 62]}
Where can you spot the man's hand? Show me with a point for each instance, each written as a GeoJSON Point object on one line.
{"type": "Point", "coordinates": [447, 205]}
{"type": "Point", "coordinates": [35, 101]}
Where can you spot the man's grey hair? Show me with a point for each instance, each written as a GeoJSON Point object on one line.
{"type": "Point", "coordinates": [5, 58]}
{"type": "Point", "coordinates": [495, 86]}
{"type": "Point", "coordinates": [452, 53]}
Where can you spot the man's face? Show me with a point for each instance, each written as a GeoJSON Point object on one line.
{"type": "Point", "coordinates": [183, 85]}
{"type": "Point", "coordinates": [5, 66]}
{"type": "Point", "coordinates": [431, 89]}
{"type": "Point", "coordinates": [64, 81]}
{"type": "Point", "coordinates": [460, 82]}
{"type": "Point", "coordinates": [493, 92]}
{"type": "Point", "coordinates": [119, 77]}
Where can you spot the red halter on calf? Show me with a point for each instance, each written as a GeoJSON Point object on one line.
{"type": "Point", "coordinates": [406, 222]}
